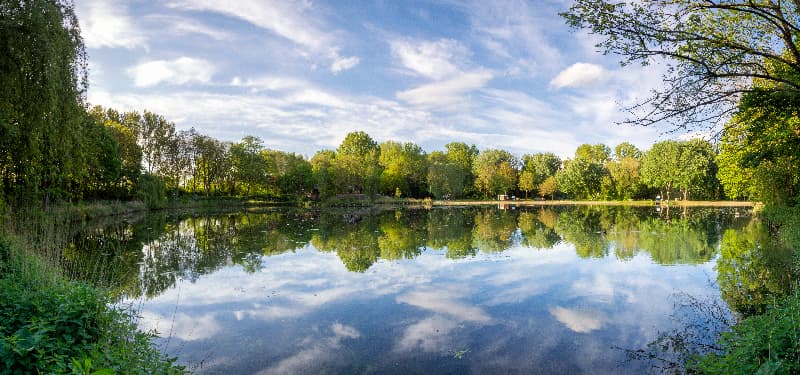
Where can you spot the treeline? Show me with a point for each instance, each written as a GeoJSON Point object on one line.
{"type": "Point", "coordinates": [143, 155]}
{"type": "Point", "coordinates": [52, 146]}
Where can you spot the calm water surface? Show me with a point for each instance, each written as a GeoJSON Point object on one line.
{"type": "Point", "coordinates": [565, 290]}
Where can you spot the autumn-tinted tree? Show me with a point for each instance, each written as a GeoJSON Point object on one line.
{"type": "Point", "coordinates": [624, 170]}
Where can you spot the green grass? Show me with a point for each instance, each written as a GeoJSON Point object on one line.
{"type": "Point", "coordinates": [51, 325]}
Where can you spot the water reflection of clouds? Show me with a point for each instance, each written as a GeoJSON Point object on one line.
{"type": "Point", "coordinates": [556, 287]}
{"type": "Point", "coordinates": [445, 302]}
{"type": "Point", "coordinates": [578, 321]}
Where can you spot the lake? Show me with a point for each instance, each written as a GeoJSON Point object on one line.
{"type": "Point", "coordinates": [553, 290]}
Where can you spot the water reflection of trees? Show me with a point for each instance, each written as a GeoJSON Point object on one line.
{"type": "Point", "coordinates": [754, 268]}
{"type": "Point", "coordinates": [147, 256]}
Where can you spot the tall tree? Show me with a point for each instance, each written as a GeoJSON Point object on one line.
{"type": "Point", "coordinates": [537, 168]}
{"type": "Point", "coordinates": [445, 178]}
{"type": "Point", "coordinates": [404, 168]}
{"type": "Point", "coordinates": [661, 167]}
{"type": "Point", "coordinates": [248, 165]}
{"type": "Point", "coordinates": [356, 168]}
{"type": "Point", "coordinates": [624, 170]}
{"type": "Point", "coordinates": [42, 87]}
{"type": "Point", "coordinates": [713, 50]}
{"type": "Point", "coordinates": [463, 156]}
{"type": "Point", "coordinates": [583, 175]}
{"type": "Point", "coordinates": [495, 171]}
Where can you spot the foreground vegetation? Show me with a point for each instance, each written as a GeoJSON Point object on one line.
{"type": "Point", "coordinates": [56, 326]}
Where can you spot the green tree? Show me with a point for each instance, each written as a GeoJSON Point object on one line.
{"type": "Point", "coordinates": [294, 174]}
{"type": "Point", "coordinates": [527, 182]}
{"type": "Point", "coordinates": [495, 171]}
{"type": "Point", "coordinates": [624, 170]}
{"type": "Point", "coordinates": [463, 156]}
{"type": "Point", "coordinates": [445, 178]}
{"type": "Point", "coordinates": [42, 86]}
{"type": "Point", "coordinates": [248, 164]}
{"type": "Point", "coordinates": [404, 167]}
{"type": "Point", "coordinates": [661, 167]}
{"type": "Point", "coordinates": [321, 169]}
{"type": "Point", "coordinates": [356, 167]}
{"type": "Point", "coordinates": [698, 168]}
{"type": "Point", "coordinates": [130, 153]}
{"type": "Point", "coordinates": [713, 50]}
{"type": "Point", "coordinates": [210, 161]}
{"type": "Point", "coordinates": [583, 175]}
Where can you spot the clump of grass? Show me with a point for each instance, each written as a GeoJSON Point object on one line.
{"type": "Point", "coordinates": [49, 324]}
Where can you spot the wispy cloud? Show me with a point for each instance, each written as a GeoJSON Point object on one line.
{"type": "Point", "coordinates": [106, 23]}
{"type": "Point", "coordinates": [444, 95]}
{"type": "Point", "coordinates": [517, 33]}
{"type": "Point", "coordinates": [294, 21]}
{"type": "Point", "coordinates": [179, 71]}
{"type": "Point", "coordinates": [437, 60]}
{"type": "Point", "coordinates": [185, 26]}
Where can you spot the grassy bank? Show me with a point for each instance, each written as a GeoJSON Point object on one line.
{"type": "Point", "coordinates": [768, 343]}
{"type": "Point", "coordinates": [50, 324]}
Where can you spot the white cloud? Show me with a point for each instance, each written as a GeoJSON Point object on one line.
{"type": "Point", "coordinates": [580, 75]}
{"type": "Point", "coordinates": [447, 93]}
{"type": "Point", "coordinates": [293, 21]}
{"type": "Point", "coordinates": [106, 23]}
{"type": "Point", "coordinates": [577, 321]}
{"type": "Point", "coordinates": [179, 71]}
{"type": "Point", "coordinates": [433, 59]}
{"type": "Point", "coordinates": [183, 26]}
{"type": "Point", "coordinates": [342, 64]}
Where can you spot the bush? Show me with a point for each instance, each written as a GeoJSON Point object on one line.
{"type": "Point", "coordinates": [52, 326]}
{"type": "Point", "coordinates": [152, 191]}
{"type": "Point", "coordinates": [760, 344]}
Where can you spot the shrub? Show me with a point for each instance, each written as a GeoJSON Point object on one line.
{"type": "Point", "coordinates": [761, 344]}
{"type": "Point", "coordinates": [152, 191]}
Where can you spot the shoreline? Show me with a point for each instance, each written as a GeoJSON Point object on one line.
{"type": "Point", "coordinates": [598, 203]}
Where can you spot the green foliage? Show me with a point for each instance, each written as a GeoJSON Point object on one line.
{"type": "Point", "coordinates": [445, 177]}
{"type": "Point", "coordinates": [661, 167]}
{"type": "Point", "coordinates": [536, 169]}
{"type": "Point", "coordinates": [495, 171]}
{"type": "Point", "coordinates": [42, 83]}
{"type": "Point", "coordinates": [404, 167]}
{"type": "Point", "coordinates": [583, 176]}
{"type": "Point", "coordinates": [70, 328]}
{"type": "Point", "coordinates": [152, 191]}
{"type": "Point", "coordinates": [760, 344]}
{"type": "Point", "coordinates": [712, 49]}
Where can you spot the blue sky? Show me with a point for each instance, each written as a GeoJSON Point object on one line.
{"type": "Point", "coordinates": [301, 75]}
